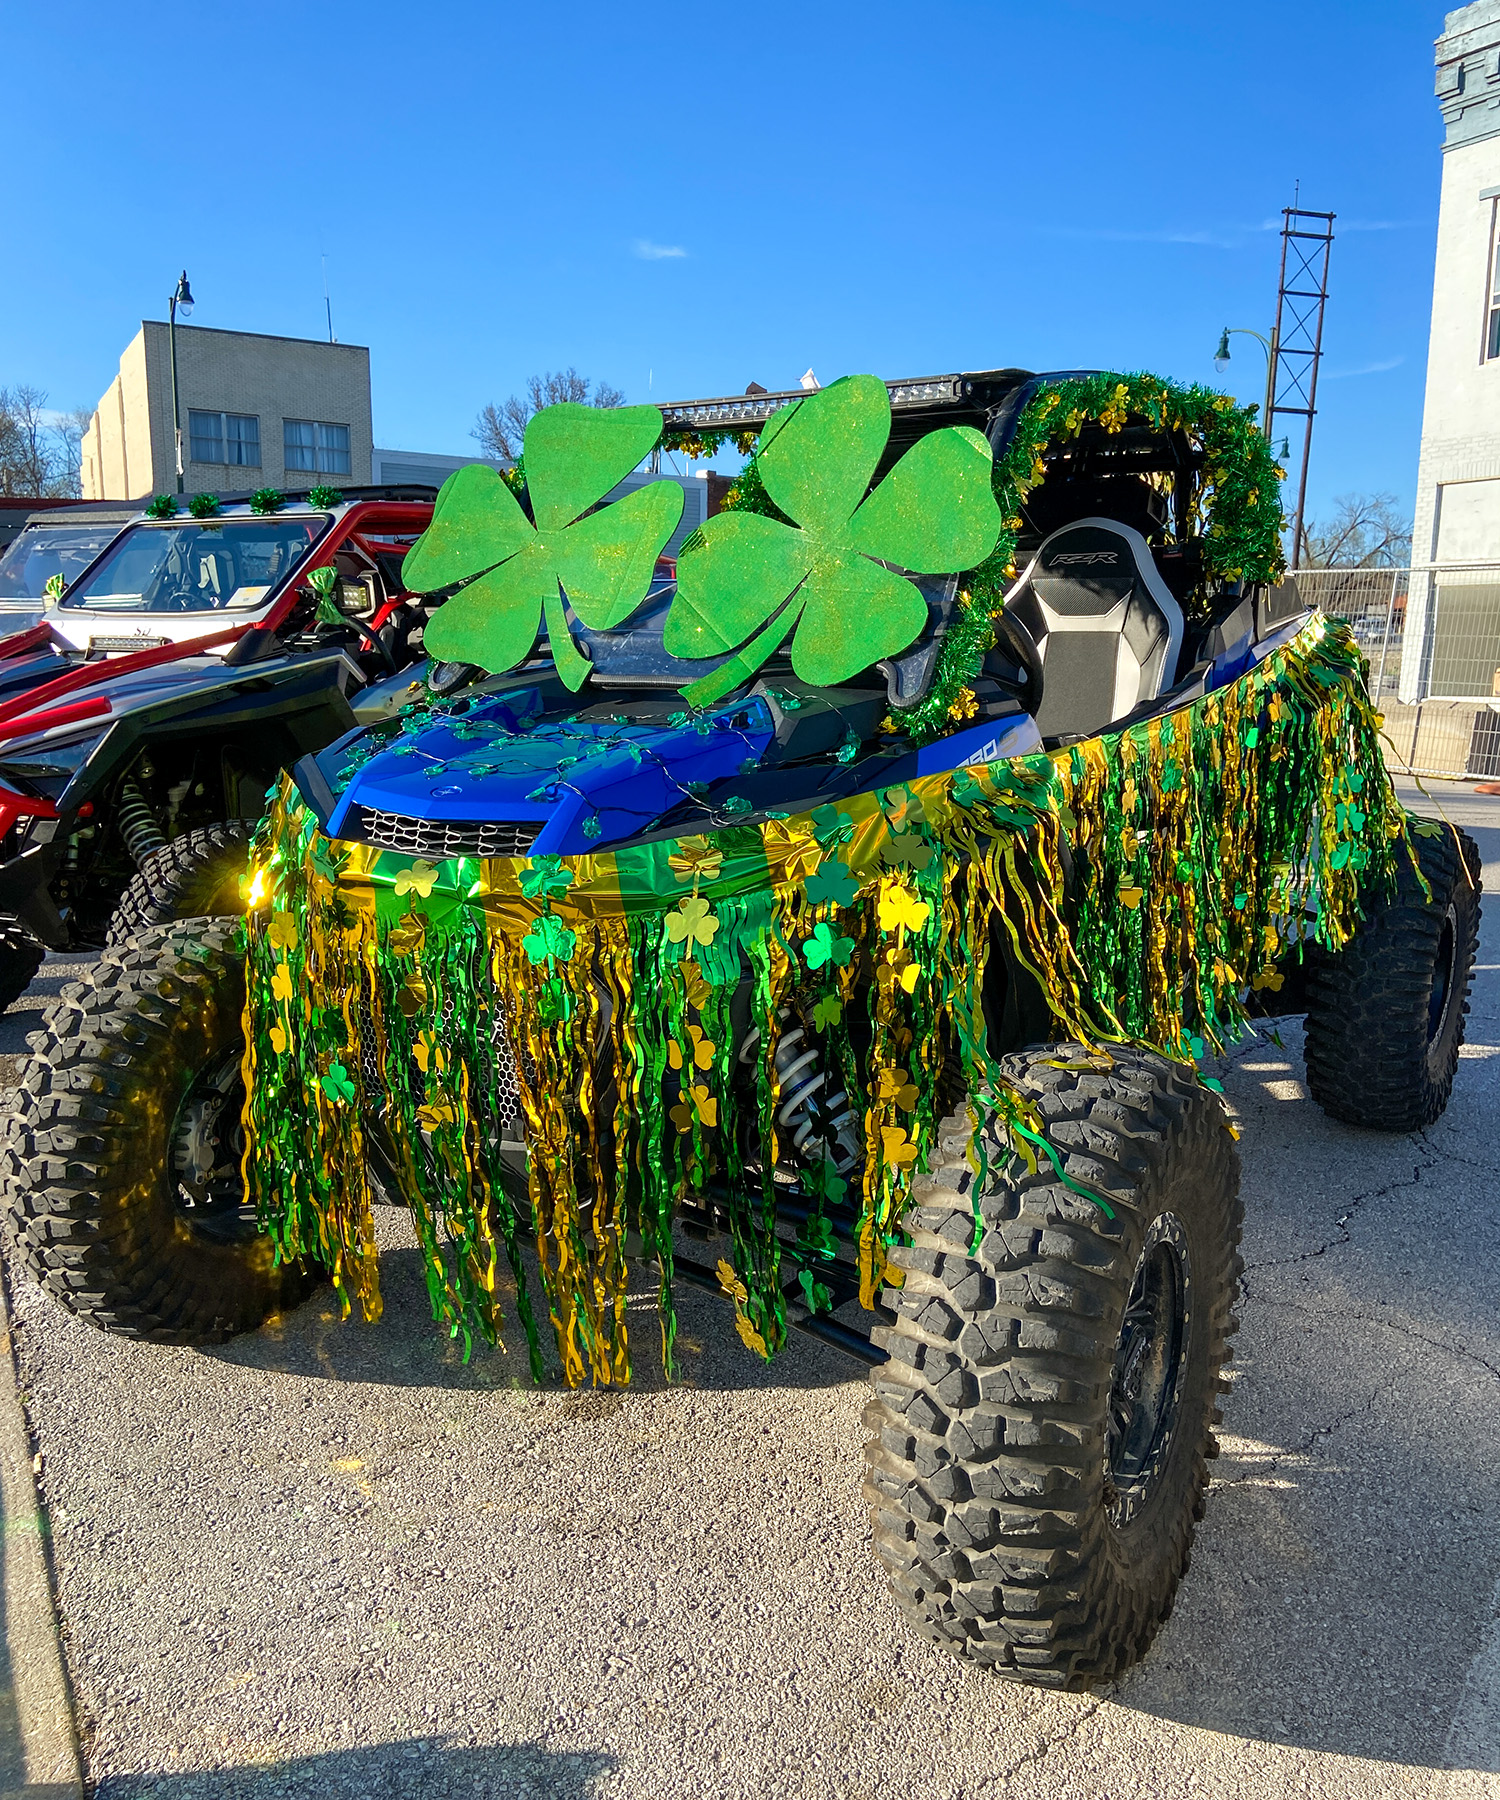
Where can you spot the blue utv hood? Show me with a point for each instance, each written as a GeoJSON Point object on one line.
{"type": "Point", "coordinates": [593, 779]}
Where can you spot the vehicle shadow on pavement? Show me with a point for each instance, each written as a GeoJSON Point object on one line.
{"type": "Point", "coordinates": [1345, 1590]}
{"type": "Point", "coordinates": [411, 1769]}
{"type": "Point", "coordinates": [407, 1349]}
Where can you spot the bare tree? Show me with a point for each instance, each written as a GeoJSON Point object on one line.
{"type": "Point", "coordinates": [69, 431]}
{"type": "Point", "coordinates": [501, 430]}
{"type": "Point", "coordinates": [1365, 531]}
{"type": "Point", "coordinates": [38, 450]}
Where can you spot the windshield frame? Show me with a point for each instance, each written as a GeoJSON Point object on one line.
{"type": "Point", "coordinates": [75, 602]}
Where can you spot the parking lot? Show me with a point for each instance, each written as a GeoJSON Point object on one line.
{"type": "Point", "coordinates": [334, 1560]}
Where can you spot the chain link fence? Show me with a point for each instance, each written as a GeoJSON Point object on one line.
{"type": "Point", "coordinates": [1432, 639]}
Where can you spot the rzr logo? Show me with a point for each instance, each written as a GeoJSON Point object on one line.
{"type": "Point", "coordinates": [1085, 556]}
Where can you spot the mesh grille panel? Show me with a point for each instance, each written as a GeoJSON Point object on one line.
{"type": "Point", "coordinates": [437, 839]}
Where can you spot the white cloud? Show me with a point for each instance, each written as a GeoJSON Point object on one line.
{"type": "Point", "coordinates": [1374, 368]}
{"type": "Point", "coordinates": [1108, 235]}
{"type": "Point", "coordinates": [649, 252]}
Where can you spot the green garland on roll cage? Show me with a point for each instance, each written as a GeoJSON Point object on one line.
{"type": "Point", "coordinates": [1240, 493]}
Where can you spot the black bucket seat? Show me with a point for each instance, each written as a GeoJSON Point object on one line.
{"type": "Point", "coordinates": [1106, 624]}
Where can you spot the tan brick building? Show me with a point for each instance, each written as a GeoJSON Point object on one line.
{"type": "Point", "coordinates": [257, 411]}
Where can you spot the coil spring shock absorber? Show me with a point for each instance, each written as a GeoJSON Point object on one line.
{"type": "Point", "coordinates": [137, 822]}
{"type": "Point", "coordinates": [819, 1120]}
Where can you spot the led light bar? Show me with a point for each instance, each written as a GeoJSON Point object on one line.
{"type": "Point", "coordinates": [754, 409]}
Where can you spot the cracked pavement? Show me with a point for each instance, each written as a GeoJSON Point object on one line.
{"type": "Point", "coordinates": [329, 1560]}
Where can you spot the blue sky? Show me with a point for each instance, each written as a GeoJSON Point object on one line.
{"type": "Point", "coordinates": [683, 199]}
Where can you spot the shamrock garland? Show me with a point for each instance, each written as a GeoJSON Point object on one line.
{"type": "Point", "coordinates": [1235, 507]}
{"type": "Point", "coordinates": [517, 571]}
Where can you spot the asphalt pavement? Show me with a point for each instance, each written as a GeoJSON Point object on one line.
{"type": "Point", "coordinates": [331, 1560]}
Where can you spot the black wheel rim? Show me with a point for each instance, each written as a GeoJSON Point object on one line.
{"type": "Point", "coordinates": [1151, 1358]}
{"type": "Point", "coordinates": [207, 1140]}
{"type": "Point", "coordinates": [1445, 967]}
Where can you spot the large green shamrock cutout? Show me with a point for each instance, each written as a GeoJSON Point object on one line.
{"type": "Point", "coordinates": [601, 560]}
{"type": "Point", "coordinates": [934, 513]}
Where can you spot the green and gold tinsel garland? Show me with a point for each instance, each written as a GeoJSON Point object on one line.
{"type": "Point", "coordinates": [1203, 845]}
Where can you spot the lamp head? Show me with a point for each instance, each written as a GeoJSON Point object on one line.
{"type": "Point", "coordinates": [184, 296]}
{"type": "Point", "coordinates": [1221, 355]}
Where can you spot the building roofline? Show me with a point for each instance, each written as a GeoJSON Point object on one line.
{"type": "Point", "coordinates": [270, 337]}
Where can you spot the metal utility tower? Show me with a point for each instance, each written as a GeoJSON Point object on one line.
{"type": "Point", "coordinates": [1297, 342]}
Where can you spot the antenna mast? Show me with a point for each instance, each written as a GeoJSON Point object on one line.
{"type": "Point", "coordinates": [1292, 390]}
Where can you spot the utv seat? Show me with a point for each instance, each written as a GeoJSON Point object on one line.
{"type": "Point", "coordinates": [1106, 624]}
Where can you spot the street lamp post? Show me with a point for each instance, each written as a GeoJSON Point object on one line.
{"type": "Point", "coordinates": [182, 296]}
{"type": "Point", "coordinates": [1268, 344]}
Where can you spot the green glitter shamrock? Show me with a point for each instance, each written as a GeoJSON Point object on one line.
{"type": "Point", "coordinates": [816, 1238]}
{"type": "Point", "coordinates": [826, 946]}
{"type": "Point", "coordinates": [601, 560]}
{"type": "Point", "coordinates": [832, 827]}
{"type": "Point", "coordinates": [553, 1001]}
{"type": "Point", "coordinates": [828, 1011]}
{"type": "Point", "coordinates": [822, 577]}
{"type": "Point", "coordinates": [817, 1295]}
{"type": "Point", "coordinates": [549, 940]}
{"type": "Point", "coordinates": [336, 1083]}
{"type": "Point", "coordinates": [546, 875]}
{"type": "Point", "coordinates": [832, 880]}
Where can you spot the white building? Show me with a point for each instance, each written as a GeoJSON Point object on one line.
{"type": "Point", "coordinates": [1452, 638]}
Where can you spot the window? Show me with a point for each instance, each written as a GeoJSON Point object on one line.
{"type": "Point", "coordinates": [317, 448]}
{"type": "Point", "coordinates": [1492, 336]}
{"type": "Point", "coordinates": [192, 567]}
{"type": "Point", "coordinates": [230, 438]}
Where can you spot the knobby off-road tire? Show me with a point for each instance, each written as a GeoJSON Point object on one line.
{"type": "Point", "coordinates": [1042, 1427]}
{"type": "Point", "coordinates": [1385, 1016]}
{"type": "Point", "coordinates": [20, 958]}
{"type": "Point", "coordinates": [119, 1169]}
{"type": "Point", "coordinates": [195, 876]}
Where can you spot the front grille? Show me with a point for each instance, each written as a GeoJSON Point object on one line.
{"type": "Point", "coordinates": [438, 839]}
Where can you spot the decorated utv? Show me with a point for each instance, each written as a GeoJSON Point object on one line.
{"type": "Point", "coordinates": [837, 920]}
{"type": "Point", "coordinates": [180, 664]}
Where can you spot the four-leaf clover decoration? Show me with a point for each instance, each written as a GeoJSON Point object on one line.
{"type": "Point", "coordinates": [602, 560]}
{"type": "Point", "coordinates": [744, 581]}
